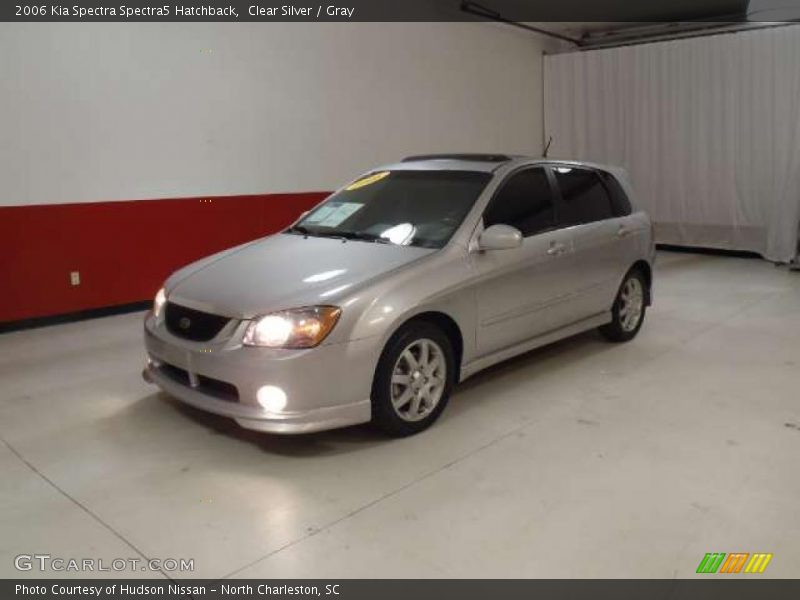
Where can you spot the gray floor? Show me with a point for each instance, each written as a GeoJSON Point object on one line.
{"type": "Point", "coordinates": [583, 459]}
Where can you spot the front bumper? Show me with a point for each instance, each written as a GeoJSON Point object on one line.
{"type": "Point", "coordinates": [326, 387]}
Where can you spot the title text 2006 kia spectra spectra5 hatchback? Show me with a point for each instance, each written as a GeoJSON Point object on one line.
{"type": "Point", "coordinates": [374, 304]}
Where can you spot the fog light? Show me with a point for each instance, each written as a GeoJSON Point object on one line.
{"type": "Point", "coordinates": [271, 398]}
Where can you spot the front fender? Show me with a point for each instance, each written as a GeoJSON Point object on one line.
{"type": "Point", "coordinates": [445, 287]}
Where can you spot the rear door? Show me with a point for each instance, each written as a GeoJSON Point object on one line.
{"type": "Point", "coordinates": [597, 235]}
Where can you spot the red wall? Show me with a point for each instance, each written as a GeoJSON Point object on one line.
{"type": "Point", "coordinates": [123, 250]}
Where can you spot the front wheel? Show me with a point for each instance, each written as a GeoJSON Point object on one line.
{"type": "Point", "coordinates": [628, 310]}
{"type": "Point", "coordinates": [413, 380]}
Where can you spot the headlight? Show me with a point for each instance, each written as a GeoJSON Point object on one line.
{"type": "Point", "coordinates": [295, 328]}
{"type": "Point", "coordinates": [159, 302]}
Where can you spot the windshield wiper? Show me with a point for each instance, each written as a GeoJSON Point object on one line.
{"type": "Point", "coordinates": [299, 229]}
{"type": "Point", "coordinates": [361, 235]}
{"type": "Point", "coordinates": [344, 235]}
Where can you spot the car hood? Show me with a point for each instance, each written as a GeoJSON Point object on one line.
{"type": "Point", "coordinates": [284, 271]}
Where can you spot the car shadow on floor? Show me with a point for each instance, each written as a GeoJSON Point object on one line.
{"type": "Point", "coordinates": [360, 437]}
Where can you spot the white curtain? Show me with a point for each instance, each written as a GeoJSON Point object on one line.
{"type": "Point", "coordinates": [708, 129]}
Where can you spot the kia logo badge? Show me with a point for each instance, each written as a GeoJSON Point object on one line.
{"type": "Point", "coordinates": [184, 323]}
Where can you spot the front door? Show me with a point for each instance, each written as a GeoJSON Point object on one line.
{"type": "Point", "coordinates": [518, 290]}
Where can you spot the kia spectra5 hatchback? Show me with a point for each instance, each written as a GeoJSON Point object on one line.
{"type": "Point", "coordinates": [415, 276]}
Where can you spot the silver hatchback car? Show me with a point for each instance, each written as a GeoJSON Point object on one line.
{"type": "Point", "coordinates": [413, 277]}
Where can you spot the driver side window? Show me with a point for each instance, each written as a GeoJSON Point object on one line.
{"type": "Point", "coordinates": [524, 201]}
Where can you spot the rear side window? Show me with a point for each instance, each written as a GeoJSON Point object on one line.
{"type": "Point", "coordinates": [620, 204]}
{"type": "Point", "coordinates": [524, 201]}
{"type": "Point", "coordinates": [584, 197]}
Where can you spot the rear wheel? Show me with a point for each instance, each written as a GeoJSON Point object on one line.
{"type": "Point", "coordinates": [628, 310]}
{"type": "Point", "coordinates": [413, 380]}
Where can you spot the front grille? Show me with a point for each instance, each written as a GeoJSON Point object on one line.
{"type": "Point", "coordinates": [192, 324]}
{"type": "Point", "coordinates": [206, 385]}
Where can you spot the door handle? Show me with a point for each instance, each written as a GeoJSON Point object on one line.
{"type": "Point", "coordinates": [556, 248]}
{"type": "Point", "coordinates": [623, 231]}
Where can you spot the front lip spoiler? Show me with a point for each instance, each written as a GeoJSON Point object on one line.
{"type": "Point", "coordinates": [255, 418]}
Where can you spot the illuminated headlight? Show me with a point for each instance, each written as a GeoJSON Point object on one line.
{"type": "Point", "coordinates": [295, 328]}
{"type": "Point", "coordinates": [159, 302]}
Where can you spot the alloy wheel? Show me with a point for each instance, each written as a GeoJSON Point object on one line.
{"type": "Point", "coordinates": [631, 303]}
{"type": "Point", "coordinates": [418, 380]}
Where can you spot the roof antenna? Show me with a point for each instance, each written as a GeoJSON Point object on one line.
{"type": "Point", "coordinates": [547, 147]}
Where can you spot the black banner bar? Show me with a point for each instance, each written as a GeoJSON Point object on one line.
{"type": "Point", "coordinates": [714, 587]}
{"type": "Point", "coordinates": [376, 10]}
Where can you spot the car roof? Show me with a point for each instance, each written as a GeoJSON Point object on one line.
{"type": "Point", "coordinates": [486, 163]}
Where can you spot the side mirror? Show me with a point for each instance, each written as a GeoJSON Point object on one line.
{"type": "Point", "coordinates": [500, 237]}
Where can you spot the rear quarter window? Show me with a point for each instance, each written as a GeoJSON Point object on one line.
{"type": "Point", "coordinates": [620, 203]}
{"type": "Point", "coordinates": [584, 198]}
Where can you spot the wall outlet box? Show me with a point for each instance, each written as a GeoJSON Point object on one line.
{"type": "Point", "coordinates": [75, 277]}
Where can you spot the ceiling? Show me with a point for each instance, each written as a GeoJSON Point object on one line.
{"type": "Point", "coordinates": [604, 23]}
{"type": "Point", "coordinates": [618, 11]}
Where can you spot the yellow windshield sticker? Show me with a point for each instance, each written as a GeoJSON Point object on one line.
{"type": "Point", "coordinates": [365, 181]}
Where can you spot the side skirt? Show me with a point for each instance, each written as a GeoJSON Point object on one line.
{"type": "Point", "coordinates": [468, 370]}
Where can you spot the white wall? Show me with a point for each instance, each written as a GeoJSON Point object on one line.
{"type": "Point", "coordinates": [94, 112]}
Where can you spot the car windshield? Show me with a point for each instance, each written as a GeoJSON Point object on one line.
{"type": "Point", "coordinates": [410, 208]}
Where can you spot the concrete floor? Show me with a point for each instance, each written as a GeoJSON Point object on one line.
{"type": "Point", "coordinates": [583, 459]}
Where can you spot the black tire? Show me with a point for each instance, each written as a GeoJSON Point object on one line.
{"type": "Point", "coordinates": [385, 416]}
{"type": "Point", "coordinates": [619, 330]}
